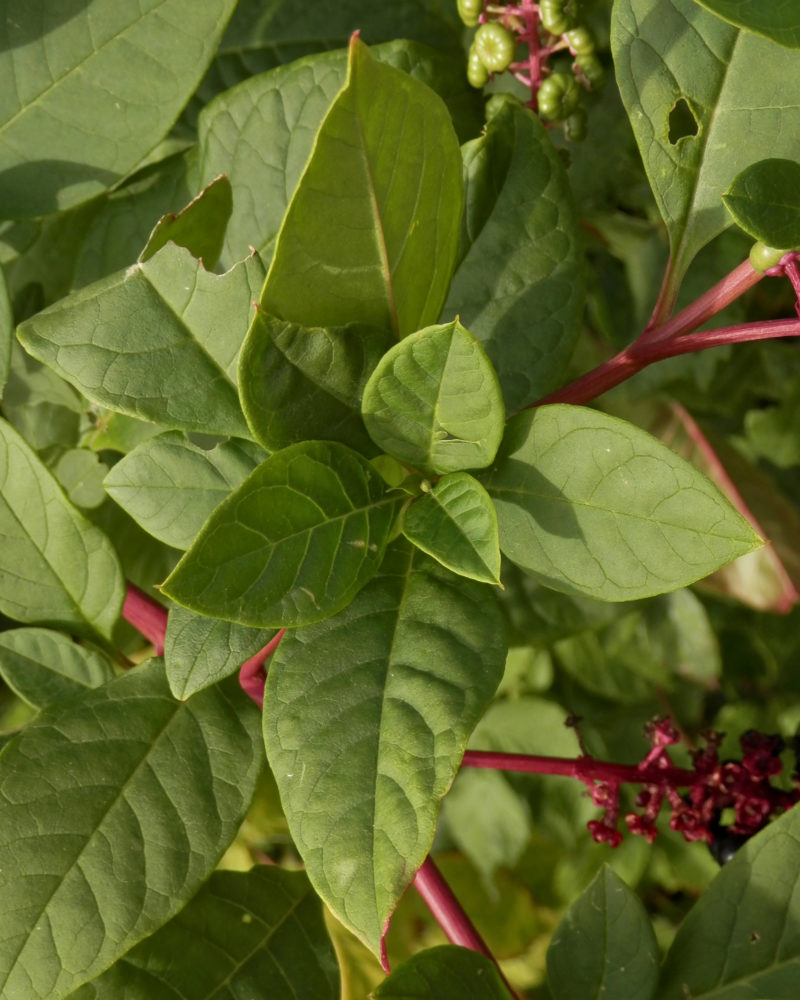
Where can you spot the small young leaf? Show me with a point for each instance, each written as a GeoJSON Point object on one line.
{"type": "Point", "coordinates": [366, 719]}
{"type": "Point", "coordinates": [446, 972]}
{"type": "Point", "coordinates": [764, 200]}
{"type": "Point", "coordinates": [293, 544]}
{"type": "Point", "coordinates": [456, 523]}
{"type": "Point", "coordinates": [170, 486]}
{"type": "Point", "coordinates": [158, 341]}
{"type": "Point", "coordinates": [200, 651]}
{"type": "Point", "coordinates": [44, 667]}
{"type": "Point", "coordinates": [590, 504]}
{"type": "Point", "coordinates": [200, 227]}
{"type": "Point", "coordinates": [778, 21]}
{"type": "Point", "coordinates": [260, 927]}
{"type": "Point", "coordinates": [55, 566]}
{"type": "Point", "coordinates": [604, 946]}
{"type": "Point", "coordinates": [298, 383]}
{"type": "Point", "coordinates": [434, 401]}
{"type": "Point", "coordinates": [371, 233]}
{"type": "Point", "coordinates": [109, 825]}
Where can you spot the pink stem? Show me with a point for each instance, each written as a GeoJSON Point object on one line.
{"type": "Point", "coordinates": [146, 615]}
{"type": "Point", "coordinates": [583, 768]}
{"type": "Point", "coordinates": [252, 675]}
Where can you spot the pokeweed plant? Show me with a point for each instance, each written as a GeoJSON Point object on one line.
{"type": "Point", "coordinates": [305, 330]}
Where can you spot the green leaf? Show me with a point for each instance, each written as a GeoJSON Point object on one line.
{"type": "Point", "coordinates": [200, 227]}
{"type": "Point", "coordinates": [127, 70]}
{"type": "Point", "coordinates": [446, 972]}
{"type": "Point", "coordinates": [455, 522]}
{"type": "Point", "coordinates": [80, 474]}
{"type": "Point", "coordinates": [55, 566]}
{"type": "Point", "coordinates": [366, 720]}
{"type": "Point", "coordinates": [519, 285]}
{"type": "Point", "coordinates": [258, 934]}
{"type": "Point", "coordinates": [170, 485]}
{"type": "Point", "coordinates": [434, 401]}
{"type": "Point", "coordinates": [158, 341]}
{"type": "Point", "coordinates": [200, 651]}
{"type": "Point", "coordinates": [40, 405]}
{"type": "Point", "coordinates": [700, 112]}
{"type": "Point", "coordinates": [371, 233]}
{"type": "Point", "coordinates": [764, 200]}
{"type": "Point", "coordinates": [298, 383]}
{"type": "Point", "coordinates": [604, 946]}
{"type": "Point", "coordinates": [776, 20]}
{"type": "Point", "coordinates": [590, 504]}
{"type": "Point", "coordinates": [109, 826]}
{"type": "Point", "coordinates": [44, 667]}
{"type": "Point", "coordinates": [6, 332]}
{"type": "Point", "coordinates": [742, 937]}
{"type": "Point", "coordinates": [293, 544]}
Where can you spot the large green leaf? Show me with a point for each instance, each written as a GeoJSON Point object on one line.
{"type": "Point", "coordinates": [777, 19]}
{"type": "Point", "coordinates": [293, 544]}
{"type": "Point", "coordinates": [590, 504]}
{"type": "Point", "coordinates": [159, 340]}
{"type": "Point", "coordinates": [519, 285]}
{"type": "Point", "coordinates": [298, 383]}
{"type": "Point", "coordinates": [764, 200]}
{"type": "Point", "coordinates": [88, 88]}
{"type": "Point", "coordinates": [446, 972]}
{"type": "Point", "coordinates": [371, 232]}
{"type": "Point", "coordinates": [55, 566]}
{"type": "Point", "coordinates": [434, 401]}
{"type": "Point", "coordinates": [366, 719]}
{"type": "Point", "coordinates": [742, 938]}
{"type": "Point", "coordinates": [257, 934]}
{"type": "Point", "coordinates": [700, 110]}
{"type": "Point", "coordinates": [604, 946]}
{"type": "Point", "coordinates": [455, 522]}
{"type": "Point", "coordinates": [116, 807]}
{"type": "Point", "coordinates": [44, 667]}
{"type": "Point", "coordinates": [170, 486]}
{"type": "Point", "coordinates": [200, 651]}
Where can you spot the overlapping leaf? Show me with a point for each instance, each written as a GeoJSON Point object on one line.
{"type": "Point", "coordinates": [700, 111]}
{"type": "Point", "coordinates": [366, 718]}
{"type": "Point", "coordinates": [764, 199]}
{"type": "Point", "coordinates": [259, 930]}
{"type": "Point", "coordinates": [200, 227]}
{"type": "Point", "coordinates": [127, 69]}
{"type": "Point", "coordinates": [447, 973]}
{"type": "Point", "coordinates": [293, 544]}
{"type": "Point", "coordinates": [776, 20]}
{"type": "Point", "coordinates": [170, 486]}
{"type": "Point", "coordinates": [434, 401]}
{"type": "Point", "coordinates": [519, 285]}
{"type": "Point", "coordinates": [604, 946]}
{"type": "Point", "coordinates": [109, 825]}
{"type": "Point", "coordinates": [590, 504]}
{"type": "Point", "coordinates": [371, 232]}
{"type": "Point", "coordinates": [55, 566]}
{"type": "Point", "coordinates": [6, 332]}
{"type": "Point", "coordinates": [158, 341]}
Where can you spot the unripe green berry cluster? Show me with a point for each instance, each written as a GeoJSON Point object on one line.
{"type": "Point", "coordinates": [492, 51]}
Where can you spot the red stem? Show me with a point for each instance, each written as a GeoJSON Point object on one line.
{"type": "Point", "coordinates": [146, 615]}
{"type": "Point", "coordinates": [583, 768]}
{"type": "Point", "coordinates": [252, 675]}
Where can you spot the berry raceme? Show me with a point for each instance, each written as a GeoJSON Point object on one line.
{"type": "Point", "coordinates": [557, 16]}
{"type": "Point", "coordinates": [559, 95]}
{"type": "Point", "coordinates": [495, 46]}
{"type": "Point", "coordinates": [470, 11]}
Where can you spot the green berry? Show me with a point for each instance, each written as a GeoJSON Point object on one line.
{"type": "Point", "coordinates": [558, 96]}
{"type": "Point", "coordinates": [557, 16]}
{"type": "Point", "coordinates": [477, 73]}
{"type": "Point", "coordinates": [575, 126]}
{"type": "Point", "coordinates": [763, 257]}
{"type": "Point", "coordinates": [495, 46]}
{"type": "Point", "coordinates": [580, 40]}
{"type": "Point", "coordinates": [592, 70]}
{"type": "Point", "coordinates": [469, 11]}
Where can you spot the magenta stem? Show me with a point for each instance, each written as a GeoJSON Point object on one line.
{"type": "Point", "coordinates": [252, 674]}
{"type": "Point", "coordinates": [146, 615]}
{"type": "Point", "coordinates": [583, 768]}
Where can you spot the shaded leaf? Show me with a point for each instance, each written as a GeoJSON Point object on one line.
{"type": "Point", "coordinates": [371, 232]}
{"type": "Point", "coordinates": [126, 69]}
{"type": "Point", "coordinates": [42, 407]}
{"type": "Point", "coordinates": [367, 716]}
{"type": "Point", "coordinates": [293, 544]}
{"type": "Point", "coordinates": [519, 284]}
{"type": "Point", "coordinates": [434, 401]}
{"type": "Point", "coordinates": [158, 341]}
{"type": "Point", "coordinates": [109, 826]}
{"type": "Point", "coordinates": [300, 383]}
{"type": "Point", "coordinates": [199, 651]}
{"type": "Point", "coordinates": [44, 667]}
{"type": "Point", "coordinates": [455, 522]}
{"type": "Point", "coordinates": [776, 20]}
{"type": "Point", "coordinates": [55, 566]}
{"type": "Point", "coordinates": [764, 200]}
{"type": "Point", "coordinates": [258, 934]}
{"type": "Point", "coordinates": [447, 973]}
{"type": "Point", "coordinates": [699, 111]}
{"type": "Point", "coordinates": [590, 504]}
{"type": "Point", "coordinates": [200, 227]}
{"type": "Point", "coordinates": [6, 332]}
{"type": "Point", "coordinates": [80, 474]}
{"type": "Point", "coordinates": [170, 486]}
{"type": "Point", "coordinates": [604, 946]}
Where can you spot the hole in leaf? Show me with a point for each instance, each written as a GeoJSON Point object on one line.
{"type": "Point", "coordinates": [682, 122]}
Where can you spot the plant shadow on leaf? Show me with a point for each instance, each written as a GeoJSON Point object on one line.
{"type": "Point", "coordinates": [25, 182]}
{"type": "Point", "coordinates": [27, 28]}
{"type": "Point", "coordinates": [543, 500]}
